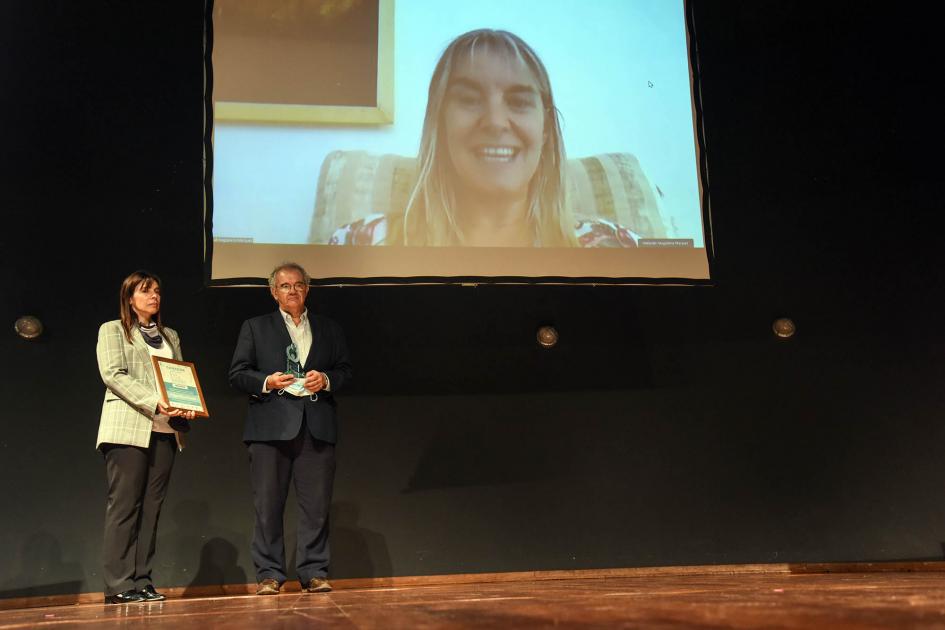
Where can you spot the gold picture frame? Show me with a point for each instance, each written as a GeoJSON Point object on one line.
{"type": "Point", "coordinates": [319, 114]}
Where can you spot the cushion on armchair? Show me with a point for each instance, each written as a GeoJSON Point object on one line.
{"type": "Point", "coordinates": [354, 184]}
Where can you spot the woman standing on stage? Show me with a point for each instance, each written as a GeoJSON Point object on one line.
{"type": "Point", "coordinates": [138, 436]}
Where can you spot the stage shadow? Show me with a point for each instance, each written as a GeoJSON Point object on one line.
{"type": "Point", "coordinates": [356, 551]}
{"type": "Point", "coordinates": [198, 551]}
{"type": "Point", "coordinates": [218, 565]}
{"type": "Point", "coordinates": [41, 559]}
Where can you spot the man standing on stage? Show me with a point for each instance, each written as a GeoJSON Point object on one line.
{"type": "Point", "coordinates": [291, 364]}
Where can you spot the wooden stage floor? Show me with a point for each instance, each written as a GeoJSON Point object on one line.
{"type": "Point", "coordinates": [835, 601]}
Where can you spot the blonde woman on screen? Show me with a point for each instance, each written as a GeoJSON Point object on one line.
{"type": "Point", "coordinates": [491, 169]}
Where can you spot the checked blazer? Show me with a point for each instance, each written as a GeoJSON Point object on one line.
{"type": "Point", "coordinates": [131, 391]}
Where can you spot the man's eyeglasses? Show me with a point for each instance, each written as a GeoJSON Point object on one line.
{"type": "Point", "coordinates": [286, 287]}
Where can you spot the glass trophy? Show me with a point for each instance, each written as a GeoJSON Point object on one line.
{"type": "Point", "coordinates": [294, 367]}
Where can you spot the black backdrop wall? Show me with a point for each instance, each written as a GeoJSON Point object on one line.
{"type": "Point", "coordinates": [668, 427]}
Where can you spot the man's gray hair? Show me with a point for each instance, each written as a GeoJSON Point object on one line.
{"type": "Point", "coordinates": [286, 266]}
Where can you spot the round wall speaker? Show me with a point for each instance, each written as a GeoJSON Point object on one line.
{"type": "Point", "coordinates": [784, 327]}
{"type": "Point", "coordinates": [28, 327]}
{"type": "Point", "coordinates": [547, 336]}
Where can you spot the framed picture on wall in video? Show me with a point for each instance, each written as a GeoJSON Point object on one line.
{"type": "Point", "coordinates": [303, 61]}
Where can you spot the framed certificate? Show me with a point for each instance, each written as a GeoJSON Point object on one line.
{"type": "Point", "coordinates": [179, 385]}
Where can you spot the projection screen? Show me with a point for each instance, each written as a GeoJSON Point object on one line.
{"type": "Point", "coordinates": [417, 140]}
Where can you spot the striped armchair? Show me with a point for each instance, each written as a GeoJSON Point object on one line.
{"type": "Point", "coordinates": [353, 184]}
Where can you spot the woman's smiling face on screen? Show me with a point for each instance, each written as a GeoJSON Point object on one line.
{"type": "Point", "coordinates": [494, 124]}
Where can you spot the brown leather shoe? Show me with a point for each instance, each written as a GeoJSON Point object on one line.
{"type": "Point", "coordinates": [268, 586]}
{"type": "Point", "coordinates": [317, 585]}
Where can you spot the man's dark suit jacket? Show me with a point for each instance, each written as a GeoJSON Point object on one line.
{"type": "Point", "coordinates": [260, 351]}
